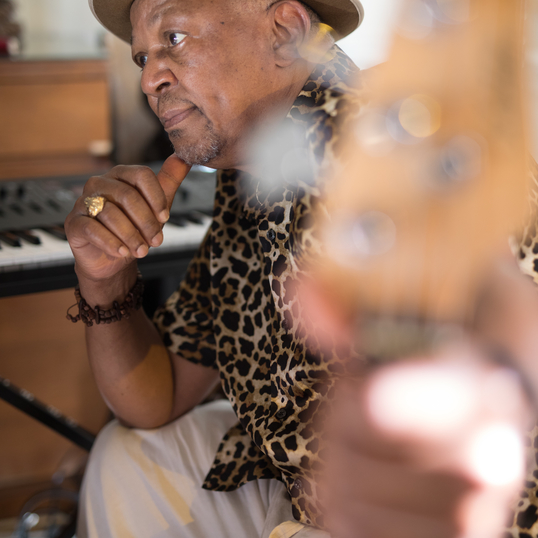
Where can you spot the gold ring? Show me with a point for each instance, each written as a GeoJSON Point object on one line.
{"type": "Point", "coordinates": [94, 205]}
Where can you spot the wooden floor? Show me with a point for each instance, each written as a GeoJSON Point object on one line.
{"type": "Point", "coordinates": [43, 353]}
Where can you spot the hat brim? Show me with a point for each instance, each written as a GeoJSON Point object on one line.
{"type": "Point", "coordinates": [343, 16]}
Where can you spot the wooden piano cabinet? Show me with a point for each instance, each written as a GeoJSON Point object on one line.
{"type": "Point", "coordinates": [55, 117]}
{"type": "Point", "coordinates": [54, 121]}
{"type": "Point", "coordinates": [45, 354]}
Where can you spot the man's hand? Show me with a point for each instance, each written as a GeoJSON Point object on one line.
{"type": "Point", "coordinates": [137, 205]}
{"type": "Point", "coordinates": [422, 449]}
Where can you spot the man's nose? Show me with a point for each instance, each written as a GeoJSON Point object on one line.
{"type": "Point", "coordinates": [157, 76]}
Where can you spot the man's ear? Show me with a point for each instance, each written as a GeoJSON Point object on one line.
{"type": "Point", "coordinates": [291, 28]}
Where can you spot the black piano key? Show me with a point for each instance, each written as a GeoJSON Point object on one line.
{"type": "Point", "coordinates": [27, 236]}
{"type": "Point", "coordinates": [56, 231]}
{"type": "Point", "coordinates": [10, 239]}
{"type": "Point", "coordinates": [207, 212]}
{"type": "Point", "coordinates": [178, 220]}
{"type": "Point", "coordinates": [195, 217]}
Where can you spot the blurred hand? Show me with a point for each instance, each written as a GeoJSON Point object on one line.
{"type": "Point", "coordinates": [424, 449]}
{"type": "Point", "coordinates": [138, 204]}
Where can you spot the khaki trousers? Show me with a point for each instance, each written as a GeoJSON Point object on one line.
{"type": "Point", "coordinates": [147, 484]}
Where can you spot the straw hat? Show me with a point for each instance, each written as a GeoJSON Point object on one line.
{"type": "Point", "coordinates": [342, 15]}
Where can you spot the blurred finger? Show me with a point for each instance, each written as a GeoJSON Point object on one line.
{"type": "Point", "coordinates": [358, 520]}
{"type": "Point", "coordinates": [351, 476]}
{"type": "Point", "coordinates": [352, 425]}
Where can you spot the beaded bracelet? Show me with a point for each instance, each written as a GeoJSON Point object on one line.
{"type": "Point", "coordinates": [88, 315]}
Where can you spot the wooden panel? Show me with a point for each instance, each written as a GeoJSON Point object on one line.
{"type": "Point", "coordinates": [50, 112]}
{"type": "Point", "coordinates": [59, 165]}
{"type": "Point", "coordinates": [46, 72]}
{"type": "Point", "coordinates": [13, 499]}
{"type": "Point", "coordinates": [45, 354]}
{"type": "Point", "coordinates": [52, 118]}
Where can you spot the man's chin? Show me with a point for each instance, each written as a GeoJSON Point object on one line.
{"type": "Point", "coordinates": [201, 153]}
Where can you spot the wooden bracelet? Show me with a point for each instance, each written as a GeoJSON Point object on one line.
{"type": "Point", "coordinates": [89, 315]}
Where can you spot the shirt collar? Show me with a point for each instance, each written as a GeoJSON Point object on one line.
{"type": "Point", "coordinates": [334, 75]}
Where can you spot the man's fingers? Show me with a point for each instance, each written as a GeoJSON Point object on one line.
{"type": "Point", "coordinates": [119, 224]}
{"type": "Point", "coordinates": [171, 175]}
{"type": "Point", "coordinates": [352, 425]}
{"type": "Point", "coordinates": [132, 187]}
{"type": "Point", "coordinates": [404, 487]}
{"type": "Point", "coordinates": [84, 231]}
{"type": "Point", "coordinates": [357, 520]}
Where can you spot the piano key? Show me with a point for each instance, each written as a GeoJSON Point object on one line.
{"type": "Point", "coordinates": [55, 251]}
{"type": "Point", "coordinates": [50, 250]}
{"type": "Point", "coordinates": [10, 239]}
{"type": "Point", "coordinates": [178, 220]}
{"type": "Point", "coordinates": [195, 217]}
{"type": "Point", "coordinates": [188, 236]}
{"type": "Point", "coordinates": [56, 231]}
{"type": "Point", "coordinates": [35, 214]}
{"type": "Point", "coordinates": [27, 236]}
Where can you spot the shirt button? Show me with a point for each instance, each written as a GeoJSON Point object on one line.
{"type": "Point", "coordinates": [281, 414]}
{"type": "Point", "coordinates": [298, 484]}
{"type": "Point", "coordinates": [271, 235]}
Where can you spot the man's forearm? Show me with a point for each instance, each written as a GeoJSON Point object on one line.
{"type": "Point", "coordinates": [129, 361]}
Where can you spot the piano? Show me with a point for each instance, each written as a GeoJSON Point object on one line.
{"type": "Point", "coordinates": [35, 255]}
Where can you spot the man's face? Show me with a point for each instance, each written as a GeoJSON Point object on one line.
{"type": "Point", "coordinates": [207, 71]}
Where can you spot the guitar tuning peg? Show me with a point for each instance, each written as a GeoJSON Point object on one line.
{"type": "Point", "coordinates": [413, 119]}
{"type": "Point", "coordinates": [421, 17]}
{"type": "Point", "coordinates": [279, 156]}
{"type": "Point", "coordinates": [416, 21]}
{"type": "Point", "coordinates": [355, 239]}
{"type": "Point", "coordinates": [451, 11]}
{"type": "Point", "coordinates": [408, 121]}
{"type": "Point", "coordinates": [372, 134]}
{"type": "Point", "coordinates": [460, 160]}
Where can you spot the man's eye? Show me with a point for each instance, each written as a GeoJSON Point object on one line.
{"type": "Point", "coordinates": [176, 38]}
{"type": "Point", "coordinates": [141, 60]}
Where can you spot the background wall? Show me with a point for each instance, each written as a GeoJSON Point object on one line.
{"type": "Point", "coordinates": [73, 21]}
{"type": "Point", "coordinates": [369, 45]}
{"type": "Point", "coordinates": [46, 21]}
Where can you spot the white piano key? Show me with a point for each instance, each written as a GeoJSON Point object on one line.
{"type": "Point", "coordinates": [188, 236]}
{"type": "Point", "coordinates": [28, 255]}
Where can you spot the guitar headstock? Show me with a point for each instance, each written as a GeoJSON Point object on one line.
{"type": "Point", "coordinates": [435, 178]}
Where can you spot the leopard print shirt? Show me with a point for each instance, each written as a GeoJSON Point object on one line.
{"type": "Point", "coordinates": [237, 309]}
{"type": "Point", "coordinates": [523, 521]}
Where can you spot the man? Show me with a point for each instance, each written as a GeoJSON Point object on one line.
{"type": "Point", "coordinates": [214, 72]}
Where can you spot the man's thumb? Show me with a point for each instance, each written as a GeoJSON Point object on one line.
{"type": "Point", "coordinates": [171, 175]}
